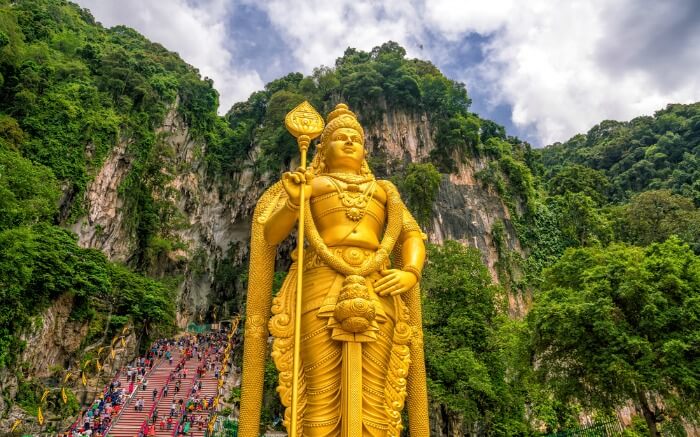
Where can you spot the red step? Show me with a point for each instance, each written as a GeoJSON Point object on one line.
{"type": "Point", "coordinates": [129, 422]}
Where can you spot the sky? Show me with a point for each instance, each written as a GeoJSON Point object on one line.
{"type": "Point", "coordinates": [545, 69]}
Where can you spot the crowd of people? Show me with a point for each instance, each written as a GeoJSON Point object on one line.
{"type": "Point", "coordinates": [191, 410]}
{"type": "Point", "coordinates": [188, 411]}
{"type": "Point", "coordinates": [96, 420]}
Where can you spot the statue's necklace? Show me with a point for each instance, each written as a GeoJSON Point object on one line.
{"type": "Point", "coordinates": [353, 199]}
{"type": "Point", "coordinates": [349, 178]}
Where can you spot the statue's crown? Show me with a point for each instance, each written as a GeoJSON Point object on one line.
{"type": "Point", "coordinates": [341, 116]}
{"type": "Point", "coordinates": [340, 109]}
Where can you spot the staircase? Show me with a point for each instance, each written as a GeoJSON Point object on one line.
{"type": "Point", "coordinates": [130, 420]}
{"type": "Point", "coordinates": [209, 390]}
{"type": "Point", "coordinates": [184, 393]}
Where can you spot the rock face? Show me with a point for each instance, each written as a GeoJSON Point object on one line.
{"type": "Point", "coordinates": [53, 347]}
{"type": "Point", "coordinates": [103, 226]}
{"type": "Point", "coordinates": [50, 343]}
{"type": "Point", "coordinates": [465, 210]}
{"type": "Point", "coordinates": [214, 215]}
{"type": "Point", "coordinates": [54, 340]}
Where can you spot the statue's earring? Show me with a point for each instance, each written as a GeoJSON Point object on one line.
{"type": "Point", "coordinates": [365, 167]}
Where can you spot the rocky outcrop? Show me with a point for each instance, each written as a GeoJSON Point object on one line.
{"type": "Point", "coordinates": [103, 225]}
{"type": "Point", "coordinates": [54, 339]}
{"type": "Point", "coordinates": [216, 216]}
{"type": "Point", "coordinates": [465, 209]}
{"type": "Point", "coordinates": [49, 344]}
{"type": "Point", "coordinates": [399, 138]}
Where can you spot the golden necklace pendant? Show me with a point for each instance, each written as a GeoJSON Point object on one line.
{"type": "Point", "coordinates": [355, 201]}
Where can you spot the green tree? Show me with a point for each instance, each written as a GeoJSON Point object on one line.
{"type": "Point", "coordinates": [577, 178]}
{"type": "Point", "coordinates": [580, 222]}
{"type": "Point", "coordinates": [621, 323]}
{"type": "Point", "coordinates": [37, 265]}
{"type": "Point", "coordinates": [464, 319]}
{"type": "Point", "coordinates": [646, 153]}
{"type": "Point", "coordinates": [148, 301]}
{"type": "Point", "coordinates": [457, 136]}
{"type": "Point", "coordinates": [653, 216]}
{"type": "Point", "coordinates": [419, 187]}
{"type": "Point", "coordinates": [28, 192]}
{"type": "Point", "coordinates": [40, 263]}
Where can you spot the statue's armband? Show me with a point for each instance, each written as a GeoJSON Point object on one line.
{"type": "Point", "coordinates": [410, 227]}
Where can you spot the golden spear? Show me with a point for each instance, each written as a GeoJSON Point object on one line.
{"type": "Point", "coordinates": [305, 123]}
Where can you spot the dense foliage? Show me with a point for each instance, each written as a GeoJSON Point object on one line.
{"type": "Point", "coordinates": [466, 325]}
{"type": "Point", "coordinates": [614, 268]}
{"type": "Point", "coordinates": [619, 323]}
{"type": "Point", "coordinates": [70, 90]}
{"type": "Point", "coordinates": [42, 262]}
{"type": "Point", "coordinates": [374, 84]}
{"type": "Point", "coordinates": [646, 153]}
{"type": "Point", "coordinates": [654, 216]}
{"type": "Point", "coordinates": [419, 185]}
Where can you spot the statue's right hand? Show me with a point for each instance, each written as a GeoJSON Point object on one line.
{"type": "Point", "coordinates": [292, 181]}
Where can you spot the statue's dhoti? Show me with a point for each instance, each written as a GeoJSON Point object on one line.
{"type": "Point", "coordinates": [322, 343]}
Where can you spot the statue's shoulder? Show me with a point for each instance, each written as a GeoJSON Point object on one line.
{"type": "Point", "coordinates": [389, 188]}
{"type": "Point", "coordinates": [271, 199]}
{"type": "Point", "coordinates": [387, 185]}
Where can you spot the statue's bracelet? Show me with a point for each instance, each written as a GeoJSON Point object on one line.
{"type": "Point", "coordinates": [291, 206]}
{"type": "Point", "coordinates": [414, 270]}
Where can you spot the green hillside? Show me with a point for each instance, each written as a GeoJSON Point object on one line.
{"type": "Point", "coordinates": [646, 153]}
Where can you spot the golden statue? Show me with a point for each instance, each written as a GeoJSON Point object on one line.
{"type": "Point", "coordinates": [353, 358]}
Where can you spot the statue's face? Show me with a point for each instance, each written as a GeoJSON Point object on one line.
{"type": "Point", "coordinates": [345, 150]}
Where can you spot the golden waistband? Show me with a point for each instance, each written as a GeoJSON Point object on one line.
{"type": "Point", "coordinates": [354, 256]}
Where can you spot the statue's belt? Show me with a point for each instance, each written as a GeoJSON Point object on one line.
{"type": "Point", "coordinates": [354, 256]}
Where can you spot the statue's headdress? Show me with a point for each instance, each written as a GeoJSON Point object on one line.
{"type": "Point", "coordinates": [339, 118]}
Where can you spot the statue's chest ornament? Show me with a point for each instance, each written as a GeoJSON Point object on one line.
{"type": "Point", "coordinates": [354, 199]}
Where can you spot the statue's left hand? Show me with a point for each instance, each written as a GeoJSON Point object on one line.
{"type": "Point", "coordinates": [394, 282]}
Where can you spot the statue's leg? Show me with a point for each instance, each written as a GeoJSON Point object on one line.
{"type": "Point", "coordinates": [375, 360]}
{"type": "Point", "coordinates": [322, 369]}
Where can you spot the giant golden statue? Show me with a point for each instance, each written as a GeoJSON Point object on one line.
{"type": "Point", "coordinates": [358, 345]}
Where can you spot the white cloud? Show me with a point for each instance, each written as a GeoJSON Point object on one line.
{"type": "Point", "coordinates": [561, 66]}
{"type": "Point", "coordinates": [453, 19]}
{"type": "Point", "coordinates": [319, 31]}
{"type": "Point", "coordinates": [196, 31]}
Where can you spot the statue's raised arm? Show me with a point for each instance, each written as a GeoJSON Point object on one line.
{"type": "Point", "coordinates": [360, 337]}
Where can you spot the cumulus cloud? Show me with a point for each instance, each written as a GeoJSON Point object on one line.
{"type": "Point", "coordinates": [563, 67]}
{"type": "Point", "coordinates": [318, 31]}
{"type": "Point", "coordinates": [455, 18]}
{"type": "Point", "coordinates": [560, 67]}
{"type": "Point", "coordinates": [197, 31]}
